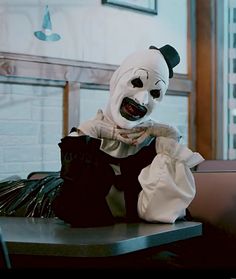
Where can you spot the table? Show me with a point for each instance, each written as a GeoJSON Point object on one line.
{"type": "Point", "coordinates": [49, 243]}
{"type": "Point", "coordinates": [52, 237]}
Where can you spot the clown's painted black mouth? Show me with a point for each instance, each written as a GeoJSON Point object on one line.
{"type": "Point", "coordinates": [131, 110]}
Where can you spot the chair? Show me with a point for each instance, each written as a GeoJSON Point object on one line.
{"type": "Point", "coordinates": [4, 255]}
{"type": "Point", "coordinates": [217, 165]}
{"type": "Point", "coordinates": [41, 174]}
{"type": "Point", "coordinates": [215, 206]}
{"type": "Point", "coordinates": [215, 200]}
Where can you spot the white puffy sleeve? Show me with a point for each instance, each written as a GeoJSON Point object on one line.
{"type": "Point", "coordinates": [168, 184]}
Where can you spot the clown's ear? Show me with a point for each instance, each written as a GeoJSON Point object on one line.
{"type": "Point", "coordinates": [170, 55]}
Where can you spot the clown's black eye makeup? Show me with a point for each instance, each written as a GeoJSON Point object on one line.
{"type": "Point", "coordinates": [156, 93]}
{"type": "Point", "coordinates": [137, 82]}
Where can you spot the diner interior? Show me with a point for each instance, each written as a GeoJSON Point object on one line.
{"type": "Point", "coordinates": [56, 61]}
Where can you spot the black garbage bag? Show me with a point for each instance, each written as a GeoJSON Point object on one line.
{"type": "Point", "coordinates": [29, 198]}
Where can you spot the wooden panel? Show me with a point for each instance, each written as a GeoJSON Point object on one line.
{"type": "Point", "coordinates": [18, 65]}
{"type": "Point", "coordinates": [73, 105]}
{"type": "Point", "coordinates": [191, 56]}
{"type": "Point", "coordinates": [88, 73]}
{"type": "Point", "coordinates": [206, 79]}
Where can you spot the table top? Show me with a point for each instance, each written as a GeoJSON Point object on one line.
{"type": "Point", "coordinates": [52, 237]}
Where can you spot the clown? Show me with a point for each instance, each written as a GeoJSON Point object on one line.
{"type": "Point", "coordinates": [122, 150]}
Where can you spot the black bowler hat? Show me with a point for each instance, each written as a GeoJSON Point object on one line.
{"type": "Point", "coordinates": [171, 56]}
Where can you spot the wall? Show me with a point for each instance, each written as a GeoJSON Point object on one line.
{"type": "Point", "coordinates": [91, 31]}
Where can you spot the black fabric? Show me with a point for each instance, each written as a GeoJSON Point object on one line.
{"type": "Point", "coordinates": [87, 180]}
{"type": "Point", "coordinates": [88, 177]}
{"type": "Point", "coordinates": [170, 55]}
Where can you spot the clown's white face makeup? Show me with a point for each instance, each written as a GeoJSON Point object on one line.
{"type": "Point", "coordinates": [135, 91]}
{"type": "Point", "coordinates": [136, 96]}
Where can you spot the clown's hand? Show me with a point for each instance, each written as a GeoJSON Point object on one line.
{"type": "Point", "coordinates": [158, 130]}
{"type": "Point", "coordinates": [105, 130]}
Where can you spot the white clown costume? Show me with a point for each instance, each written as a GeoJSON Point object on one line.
{"type": "Point", "coordinates": [121, 163]}
{"type": "Point", "coordinates": [139, 157]}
